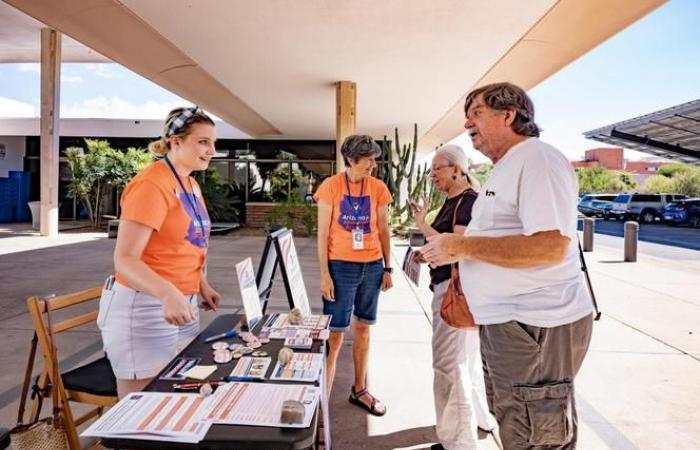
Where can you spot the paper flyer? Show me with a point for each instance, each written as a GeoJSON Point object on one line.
{"type": "Point", "coordinates": [304, 367]}
{"type": "Point", "coordinates": [249, 291]}
{"type": "Point", "coordinates": [249, 367]}
{"type": "Point", "coordinates": [295, 278]}
{"type": "Point", "coordinates": [260, 404]}
{"type": "Point", "coordinates": [411, 267]}
{"type": "Point", "coordinates": [160, 416]}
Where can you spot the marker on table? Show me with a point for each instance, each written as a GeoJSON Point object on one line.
{"type": "Point", "coordinates": [216, 337]}
{"type": "Point", "coordinates": [246, 379]}
{"type": "Point", "coordinates": [194, 386]}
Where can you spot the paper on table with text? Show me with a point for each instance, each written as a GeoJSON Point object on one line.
{"type": "Point", "coordinates": [249, 292]}
{"type": "Point", "coordinates": [251, 367]}
{"type": "Point", "coordinates": [304, 367]}
{"type": "Point", "coordinates": [158, 416]}
{"type": "Point", "coordinates": [260, 404]}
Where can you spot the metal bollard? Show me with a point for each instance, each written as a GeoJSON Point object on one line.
{"type": "Point", "coordinates": [588, 231]}
{"type": "Point", "coordinates": [631, 235]}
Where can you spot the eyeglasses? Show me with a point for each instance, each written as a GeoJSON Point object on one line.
{"type": "Point", "coordinates": [436, 168]}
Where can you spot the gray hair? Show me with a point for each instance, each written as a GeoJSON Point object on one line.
{"type": "Point", "coordinates": [455, 157]}
{"type": "Point", "coordinates": [508, 97]}
{"type": "Point", "coordinates": [358, 146]}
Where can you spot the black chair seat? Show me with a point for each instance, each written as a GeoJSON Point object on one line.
{"type": "Point", "coordinates": [4, 438]}
{"type": "Point", "coordinates": [94, 378]}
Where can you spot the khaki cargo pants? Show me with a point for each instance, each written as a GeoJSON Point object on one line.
{"type": "Point", "coordinates": [529, 373]}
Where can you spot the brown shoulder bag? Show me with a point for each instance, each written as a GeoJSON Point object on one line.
{"type": "Point", "coordinates": [454, 309]}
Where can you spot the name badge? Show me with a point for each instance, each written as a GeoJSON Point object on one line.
{"type": "Point", "coordinates": [358, 239]}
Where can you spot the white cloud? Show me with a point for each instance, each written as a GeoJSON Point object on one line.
{"type": "Point", "coordinates": [14, 108]}
{"type": "Point", "coordinates": [102, 70]}
{"type": "Point", "coordinates": [71, 79]}
{"type": "Point", "coordinates": [115, 107]}
{"type": "Point", "coordinates": [29, 67]}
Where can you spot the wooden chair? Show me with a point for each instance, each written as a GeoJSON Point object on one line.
{"type": "Point", "coordinates": [92, 383]}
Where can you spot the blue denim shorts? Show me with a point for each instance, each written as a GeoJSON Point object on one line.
{"type": "Point", "coordinates": [356, 288]}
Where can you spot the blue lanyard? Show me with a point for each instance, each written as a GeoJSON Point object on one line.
{"type": "Point", "coordinates": [192, 200]}
{"type": "Point", "coordinates": [361, 201]}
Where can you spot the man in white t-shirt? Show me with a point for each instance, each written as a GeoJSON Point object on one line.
{"type": "Point", "coordinates": [519, 267]}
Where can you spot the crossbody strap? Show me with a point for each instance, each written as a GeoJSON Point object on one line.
{"type": "Point", "coordinates": [454, 217]}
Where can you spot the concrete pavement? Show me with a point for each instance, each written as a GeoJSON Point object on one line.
{"type": "Point", "coordinates": [637, 388]}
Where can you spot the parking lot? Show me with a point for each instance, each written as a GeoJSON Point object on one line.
{"type": "Point", "coordinates": [659, 233]}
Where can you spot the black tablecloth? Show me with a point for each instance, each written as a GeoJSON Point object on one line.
{"type": "Point", "coordinates": [221, 437]}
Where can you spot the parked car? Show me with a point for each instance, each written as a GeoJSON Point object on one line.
{"type": "Point", "coordinates": [602, 208]}
{"type": "Point", "coordinates": [644, 208]}
{"type": "Point", "coordinates": [592, 205]}
{"type": "Point", "coordinates": [683, 212]}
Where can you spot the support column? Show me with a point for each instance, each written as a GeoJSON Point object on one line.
{"type": "Point", "coordinates": [345, 101]}
{"type": "Point", "coordinates": [50, 112]}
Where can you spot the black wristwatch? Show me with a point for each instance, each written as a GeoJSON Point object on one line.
{"type": "Point", "coordinates": [388, 270]}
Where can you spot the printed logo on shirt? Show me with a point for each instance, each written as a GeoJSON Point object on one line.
{"type": "Point", "coordinates": [355, 212]}
{"type": "Point", "coordinates": [490, 193]}
{"type": "Point", "coordinates": [195, 235]}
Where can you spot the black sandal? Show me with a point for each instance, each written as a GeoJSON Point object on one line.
{"type": "Point", "coordinates": [372, 408]}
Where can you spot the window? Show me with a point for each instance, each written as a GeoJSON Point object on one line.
{"type": "Point", "coordinates": [646, 198]}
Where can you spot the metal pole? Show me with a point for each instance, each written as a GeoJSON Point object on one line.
{"type": "Point", "coordinates": [631, 235]}
{"type": "Point", "coordinates": [588, 232]}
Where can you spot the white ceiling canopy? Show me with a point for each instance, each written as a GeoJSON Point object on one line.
{"type": "Point", "coordinates": [20, 40]}
{"type": "Point", "coordinates": [269, 67]}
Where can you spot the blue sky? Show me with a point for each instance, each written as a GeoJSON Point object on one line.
{"type": "Point", "coordinates": [653, 64]}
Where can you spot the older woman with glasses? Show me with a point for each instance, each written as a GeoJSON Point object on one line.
{"type": "Point", "coordinates": [355, 257]}
{"type": "Point", "coordinates": [458, 380]}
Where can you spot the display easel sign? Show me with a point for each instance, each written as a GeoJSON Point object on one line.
{"type": "Point", "coordinates": [291, 273]}
{"type": "Point", "coordinates": [280, 251]}
{"type": "Point", "coordinates": [249, 292]}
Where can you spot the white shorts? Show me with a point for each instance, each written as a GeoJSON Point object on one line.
{"type": "Point", "coordinates": [136, 338]}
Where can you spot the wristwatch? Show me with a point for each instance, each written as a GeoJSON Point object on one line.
{"type": "Point", "coordinates": [388, 270]}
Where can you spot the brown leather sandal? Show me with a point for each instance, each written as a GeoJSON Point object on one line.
{"type": "Point", "coordinates": [372, 408]}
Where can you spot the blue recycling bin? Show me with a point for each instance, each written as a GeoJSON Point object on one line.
{"type": "Point", "coordinates": [21, 181]}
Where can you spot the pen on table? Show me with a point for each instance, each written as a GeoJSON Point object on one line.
{"type": "Point", "coordinates": [188, 386]}
{"type": "Point", "coordinates": [234, 378]}
{"type": "Point", "coordinates": [216, 337]}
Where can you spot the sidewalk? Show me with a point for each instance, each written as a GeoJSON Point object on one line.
{"type": "Point", "coordinates": [637, 388]}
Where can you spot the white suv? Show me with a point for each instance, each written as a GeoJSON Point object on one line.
{"type": "Point", "coordinates": [644, 208]}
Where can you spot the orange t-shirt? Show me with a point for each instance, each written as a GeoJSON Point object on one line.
{"type": "Point", "coordinates": [359, 210]}
{"type": "Point", "coordinates": [177, 247]}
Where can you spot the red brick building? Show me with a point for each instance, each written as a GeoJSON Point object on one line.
{"type": "Point", "coordinates": [609, 158]}
{"type": "Point", "coordinates": [613, 159]}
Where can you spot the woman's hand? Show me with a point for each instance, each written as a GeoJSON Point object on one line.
{"type": "Point", "coordinates": [386, 282]}
{"type": "Point", "coordinates": [327, 288]}
{"type": "Point", "coordinates": [420, 210]}
{"type": "Point", "coordinates": [176, 309]}
{"type": "Point", "coordinates": [210, 298]}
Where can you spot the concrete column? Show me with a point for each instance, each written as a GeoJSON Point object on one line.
{"type": "Point", "coordinates": [50, 112]}
{"type": "Point", "coordinates": [345, 101]}
{"type": "Point", "coordinates": [631, 235]}
{"type": "Point", "coordinates": [588, 231]}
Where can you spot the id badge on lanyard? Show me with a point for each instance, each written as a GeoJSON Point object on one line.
{"type": "Point", "coordinates": [358, 239]}
{"type": "Point", "coordinates": [358, 235]}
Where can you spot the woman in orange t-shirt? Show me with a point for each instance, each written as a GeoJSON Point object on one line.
{"type": "Point", "coordinates": [149, 312]}
{"type": "Point", "coordinates": [354, 251]}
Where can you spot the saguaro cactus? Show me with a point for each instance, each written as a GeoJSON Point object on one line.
{"type": "Point", "coordinates": [399, 168]}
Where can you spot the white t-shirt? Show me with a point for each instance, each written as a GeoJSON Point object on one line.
{"type": "Point", "coordinates": [532, 188]}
